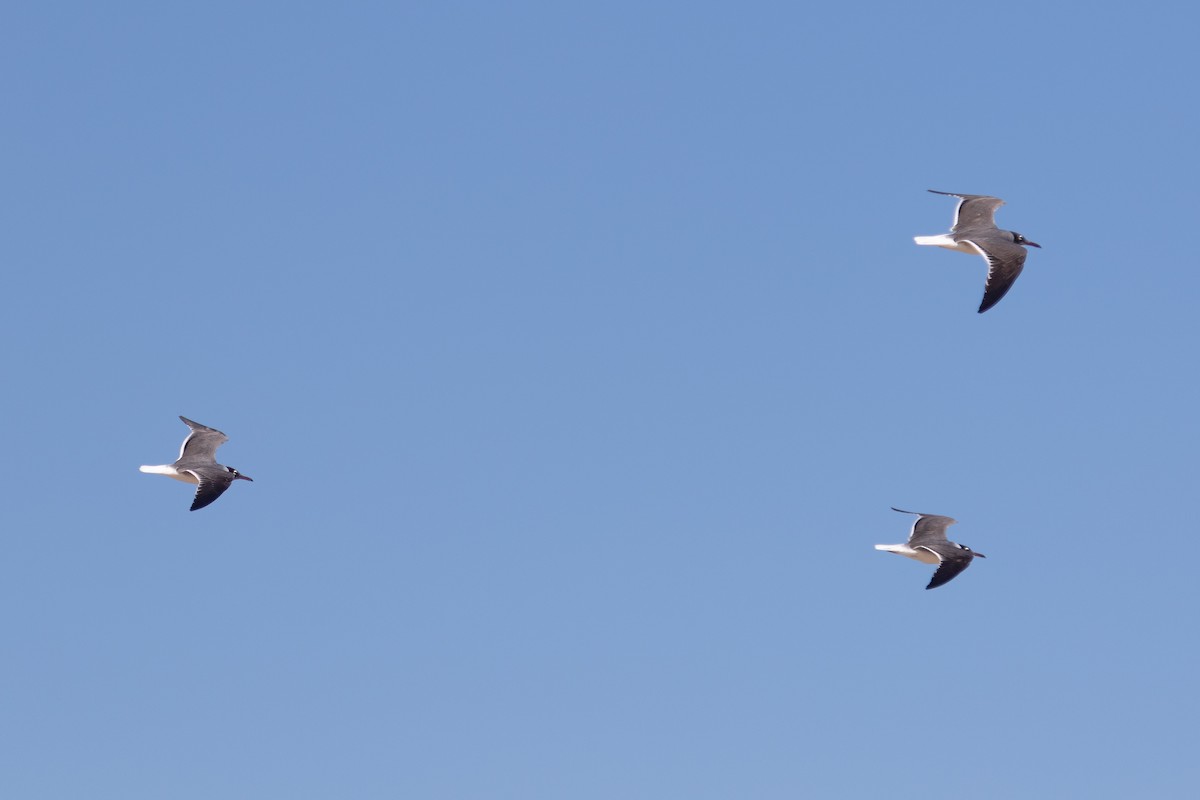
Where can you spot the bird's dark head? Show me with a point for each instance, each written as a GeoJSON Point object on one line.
{"type": "Point", "coordinates": [972, 552]}
{"type": "Point", "coordinates": [1019, 239]}
{"type": "Point", "coordinates": [237, 475]}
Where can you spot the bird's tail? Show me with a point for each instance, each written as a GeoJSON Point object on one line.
{"type": "Point", "coordinates": [941, 240]}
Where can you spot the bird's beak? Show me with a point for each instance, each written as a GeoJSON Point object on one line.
{"type": "Point", "coordinates": [1033, 244]}
{"type": "Point", "coordinates": [980, 555]}
{"type": "Point", "coordinates": [244, 478]}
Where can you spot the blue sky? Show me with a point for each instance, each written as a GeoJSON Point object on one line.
{"type": "Point", "coordinates": [577, 355]}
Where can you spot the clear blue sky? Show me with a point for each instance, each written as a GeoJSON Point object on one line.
{"type": "Point", "coordinates": [577, 356]}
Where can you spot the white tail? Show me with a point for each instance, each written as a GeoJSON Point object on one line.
{"type": "Point", "coordinates": [170, 472]}
{"type": "Point", "coordinates": [922, 555]}
{"type": "Point", "coordinates": [941, 240]}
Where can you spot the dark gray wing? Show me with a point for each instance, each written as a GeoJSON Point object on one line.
{"type": "Point", "coordinates": [928, 531]}
{"type": "Point", "coordinates": [201, 443]}
{"type": "Point", "coordinates": [974, 211]}
{"type": "Point", "coordinates": [953, 561]}
{"type": "Point", "coordinates": [210, 488]}
{"type": "Point", "coordinates": [1005, 261]}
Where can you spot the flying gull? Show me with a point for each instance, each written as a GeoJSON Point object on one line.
{"type": "Point", "coordinates": [974, 231]}
{"type": "Point", "coordinates": [927, 543]}
{"type": "Point", "coordinates": [197, 464]}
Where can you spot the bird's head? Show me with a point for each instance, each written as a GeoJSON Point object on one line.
{"type": "Point", "coordinates": [237, 475]}
{"type": "Point", "coordinates": [1019, 239]}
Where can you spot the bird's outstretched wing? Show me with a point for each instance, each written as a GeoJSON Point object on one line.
{"type": "Point", "coordinates": [202, 442]}
{"type": "Point", "coordinates": [929, 530]}
{"type": "Point", "coordinates": [951, 563]}
{"type": "Point", "coordinates": [974, 211]}
{"type": "Point", "coordinates": [1005, 261]}
{"type": "Point", "coordinates": [209, 489]}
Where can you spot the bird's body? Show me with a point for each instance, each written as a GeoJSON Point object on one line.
{"type": "Point", "coordinates": [197, 464]}
{"type": "Point", "coordinates": [974, 231]}
{"type": "Point", "coordinates": [927, 543]}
